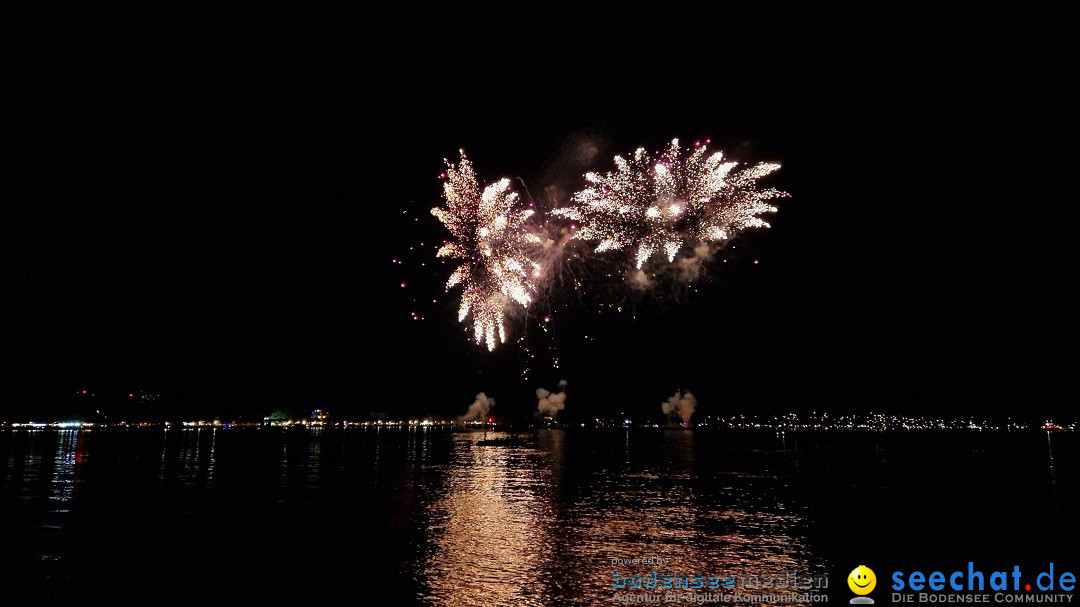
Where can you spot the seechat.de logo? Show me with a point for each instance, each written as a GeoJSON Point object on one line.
{"type": "Point", "coordinates": [862, 581]}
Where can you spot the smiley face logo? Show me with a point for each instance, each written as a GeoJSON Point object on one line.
{"type": "Point", "coordinates": [862, 580]}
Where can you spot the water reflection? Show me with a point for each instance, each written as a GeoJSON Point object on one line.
{"type": "Point", "coordinates": [301, 466]}
{"type": "Point", "coordinates": [314, 457]}
{"type": "Point", "coordinates": [62, 484]}
{"type": "Point", "coordinates": [516, 526]}
{"type": "Point", "coordinates": [44, 468]}
{"type": "Point", "coordinates": [489, 529]}
{"type": "Point", "coordinates": [443, 521]}
{"type": "Point", "coordinates": [31, 463]}
{"type": "Point", "coordinates": [674, 508]}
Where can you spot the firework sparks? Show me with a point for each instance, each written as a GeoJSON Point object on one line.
{"type": "Point", "coordinates": [658, 206]}
{"type": "Point", "coordinates": [490, 239]}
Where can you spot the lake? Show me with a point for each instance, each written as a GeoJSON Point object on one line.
{"type": "Point", "coordinates": [428, 517]}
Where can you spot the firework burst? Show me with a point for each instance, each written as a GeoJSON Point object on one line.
{"type": "Point", "coordinates": [658, 206]}
{"type": "Point", "coordinates": [490, 239]}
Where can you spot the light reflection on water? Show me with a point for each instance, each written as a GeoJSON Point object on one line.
{"type": "Point", "coordinates": [63, 476]}
{"type": "Point", "coordinates": [535, 525]}
{"type": "Point", "coordinates": [48, 473]}
{"type": "Point", "coordinates": [510, 528]}
{"type": "Point", "coordinates": [447, 522]}
{"type": "Point", "coordinates": [489, 530]}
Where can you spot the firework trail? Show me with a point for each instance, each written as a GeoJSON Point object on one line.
{"type": "Point", "coordinates": [491, 240]}
{"type": "Point", "coordinates": [661, 205]}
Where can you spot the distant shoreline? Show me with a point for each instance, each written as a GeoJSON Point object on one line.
{"type": "Point", "coordinates": [910, 425]}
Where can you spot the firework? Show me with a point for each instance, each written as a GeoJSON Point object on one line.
{"type": "Point", "coordinates": [490, 239]}
{"type": "Point", "coordinates": [658, 206]}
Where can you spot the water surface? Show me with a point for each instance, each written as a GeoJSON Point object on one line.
{"type": "Point", "coordinates": [428, 517]}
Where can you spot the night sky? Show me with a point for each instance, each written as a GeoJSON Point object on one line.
{"type": "Point", "coordinates": [207, 205]}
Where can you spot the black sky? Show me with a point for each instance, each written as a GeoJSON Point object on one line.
{"type": "Point", "coordinates": [205, 205]}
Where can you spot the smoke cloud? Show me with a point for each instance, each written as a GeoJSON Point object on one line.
{"type": "Point", "coordinates": [690, 268]}
{"type": "Point", "coordinates": [638, 279]}
{"type": "Point", "coordinates": [551, 402]}
{"type": "Point", "coordinates": [479, 409]}
{"type": "Point", "coordinates": [680, 406]}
